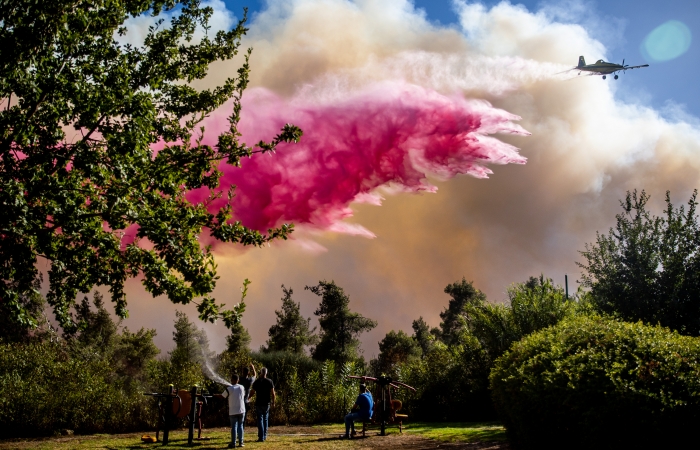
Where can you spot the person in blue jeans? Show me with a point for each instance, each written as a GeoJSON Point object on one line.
{"type": "Point", "coordinates": [236, 408]}
{"type": "Point", "coordinates": [247, 382]}
{"type": "Point", "coordinates": [363, 405]}
{"type": "Point", "coordinates": [264, 391]}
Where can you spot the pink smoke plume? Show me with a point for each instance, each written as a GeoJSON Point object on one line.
{"type": "Point", "coordinates": [391, 135]}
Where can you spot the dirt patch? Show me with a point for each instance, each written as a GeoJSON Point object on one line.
{"type": "Point", "coordinates": [394, 440]}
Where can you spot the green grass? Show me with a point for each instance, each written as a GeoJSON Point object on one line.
{"type": "Point", "coordinates": [219, 439]}
{"type": "Point", "coordinates": [459, 432]}
{"type": "Point", "coordinates": [322, 437]}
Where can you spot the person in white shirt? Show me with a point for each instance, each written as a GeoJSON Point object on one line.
{"type": "Point", "coordinates": [236, 408]}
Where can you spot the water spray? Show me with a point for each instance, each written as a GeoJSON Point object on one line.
{"type": "Point", "coordinates": [212, 374]}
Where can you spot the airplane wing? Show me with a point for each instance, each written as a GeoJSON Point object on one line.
{"type": "Point", "coordinates": [636, 67]}
{"type": "Point", "coordinates": [589, 74]}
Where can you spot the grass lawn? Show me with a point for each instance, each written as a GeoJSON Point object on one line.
{"type": "Point", "coordinates": [322, 437]}
{"type": "Point", "coordinates": [459, 432]}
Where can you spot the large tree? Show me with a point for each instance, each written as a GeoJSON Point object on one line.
{"type": "Point", "coordinates": [339, 326]}
{"type": "Point", "coordinates": [462, 293]}
{"type": "Point", "coordinates": [238, 340]}
{"type": "Point", "coordinates": [100, 336]}
{"type": "Point", "coordinates": [533, 305]}
{"type": "Point", "coordinates": [97, 329]}
{"type": "Point", "coordinates": [648, 267]}
{"type": "Point", "coordinates": [422, 335]}
{"type": "Point", "coordinates": [191, 343]}
{"type": "Point", "coordinates": [79, 113]}
{"type": "Point", "coordinates": [32, 305]}
{"type": "Point", "coordinates": [395, 348]}
{"type": "Point", "coordinates": [291, 332]}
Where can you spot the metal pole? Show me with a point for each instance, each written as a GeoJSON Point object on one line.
{"type": "Point", "coordinates": [168, 414]}
{"type": "Point", "coordinates": [193, 414]}
{"type": "Point", "coordinates": [383, 433]}
{"type": "Point", "coordinates": [566, 283]}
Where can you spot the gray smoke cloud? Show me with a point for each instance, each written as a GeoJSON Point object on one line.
{"type": "Point", "coordinates": [587, 148]}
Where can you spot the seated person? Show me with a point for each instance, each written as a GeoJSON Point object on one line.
{"type": "Point", "coordinates": [363, 405]}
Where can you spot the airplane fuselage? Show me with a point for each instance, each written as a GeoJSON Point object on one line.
{"type": "Point", "coordinates": [602, 68]}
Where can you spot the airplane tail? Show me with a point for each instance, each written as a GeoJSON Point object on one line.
{"type": "Point", "coordinates": [581, 61]}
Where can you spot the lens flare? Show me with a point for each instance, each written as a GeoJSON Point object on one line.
{"type": "Point", "coordinates": [666, 42]}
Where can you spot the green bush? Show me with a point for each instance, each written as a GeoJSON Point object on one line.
{"type": "Point", "coordinates": [591, 382]}
{"type": "Point", "coordinates": [44, 389]}
{"type": "Point", "coordinates": [309, 391]}
{"type": "Point", "coordinates": [452, 377]}
{"type": "Point", "coordinates": [451, 384]}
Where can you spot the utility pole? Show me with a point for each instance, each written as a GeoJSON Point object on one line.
{"type": "Point", "coordinates": [342, 335]}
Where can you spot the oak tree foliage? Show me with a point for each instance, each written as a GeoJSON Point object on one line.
{"type": "Point", "coordinates": [79, 113]}
{"type": "Point", "coordinates": [648, 267]}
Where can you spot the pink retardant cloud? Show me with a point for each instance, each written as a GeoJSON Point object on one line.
{"type": "Point", "coordinates": [391, 135]}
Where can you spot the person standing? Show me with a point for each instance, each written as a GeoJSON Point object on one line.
{"type": "Point", "coordinates": [247, 382]}
{"type": "Point", "coordinates": [264, 391]}
{"type": "Point", "coordinates": [236, 408]}
{"type": "Point", "coordinates": [363, 405]}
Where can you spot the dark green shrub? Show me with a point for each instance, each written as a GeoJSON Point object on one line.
{"type": "Point", "coordinates": [309, 391]}
{"type": "Point", "coordinates": [43, 389]}
{"type": "Point", "coordinates": [648, 267]}
{"type": "Point", "coordinates": [451, 384]}
{"type": "Point", "coordinates": [452, 378]}
{"type": "Point", "coordinates": [591, 382]}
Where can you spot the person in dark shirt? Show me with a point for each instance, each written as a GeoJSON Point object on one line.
{"type": "Point", "coordinates": [363, 405]}
{"type": "Point", "coordinates": [247, 382]}
{"type": "Point", "coordinates": [264, 391]}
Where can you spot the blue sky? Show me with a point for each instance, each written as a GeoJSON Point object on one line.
{"type": "Point", "coordinates": [621, 25]}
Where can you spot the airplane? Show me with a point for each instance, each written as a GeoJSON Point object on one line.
{"type": "Point", "coordinates": [603, 68]}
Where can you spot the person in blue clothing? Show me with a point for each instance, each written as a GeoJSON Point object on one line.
{"type": "Point", "coordinates": [363, 411]}
{"type": "Point", "coordinates": [235, 394]}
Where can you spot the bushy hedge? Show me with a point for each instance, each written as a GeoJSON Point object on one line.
{"type": "Point", "coordinates": [591, 382]}
{"type": "Point", "coordinates": [452, 381]}
{"type": "Point", "coordinates": [451, 384]}
{"type": "Point", "coordinates": [43, 389]}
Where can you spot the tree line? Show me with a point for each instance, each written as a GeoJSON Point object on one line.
{"type": "Point", "coordinates": [458, 367]}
